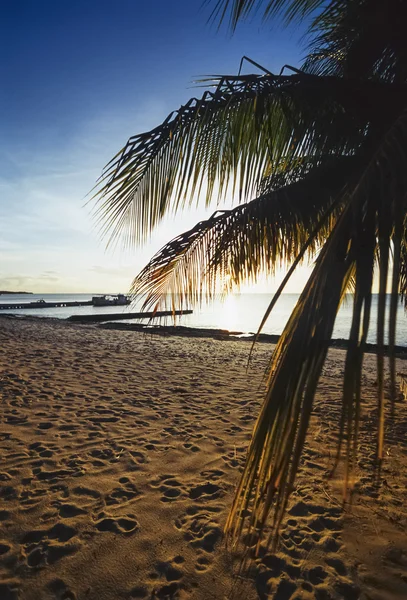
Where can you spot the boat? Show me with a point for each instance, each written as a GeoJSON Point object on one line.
{"type": "Point", "coordinates": [111, 300]}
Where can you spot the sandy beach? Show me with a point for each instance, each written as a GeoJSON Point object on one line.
{"type": "Point", "coordinates": [120, 453]}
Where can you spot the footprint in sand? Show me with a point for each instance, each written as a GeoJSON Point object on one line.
{"type": "Point", "coordinates": [233, 430]}
{"type": "Point", "coordinates": [300, 536]}
{"type": "Point", "coordinates": [123, 494]}
{"type": "Point", "coordinates": [206, 491]}
{"type": "Point", "coordinates": [248, 418]}
{"type": "Point", "coordinates": [60, 532]}
{"type": "Point", "coordinates": [316, 528]}
{"type": "Point", "coordinates": [84, 491]}
{"type": "Point", "coordinates": [138, 457]}
{"type": "Point", "coordinates": [171, 490]}
{"type": "Point", "coordinates": [49, 554]}
{"type": "Point", "coordinates": [71, 469]}
{"type": "Point", "coordinates": [169, 486]}
{"type": "Point", "coordinates": [46, 546]}
{"type": "Point", "coordinates": [232, 459]}
{"type": "Point", "coordinates": [202, 532]}
{"type": "Point", "coordinates": [67, 511]}
{"type": "Point", "coordinates": [40, 449]}
{"type": "Point", "coordinates": [218, 441]}
{"type": "Point", "coordinates": [68, 428]}
{"type": "Point", "coordinates": [165, 581]}
{"type": "Point", "coordinates": [278, 577]}
{"type": "Point", "coordinates": [16, 420]}
{"type": "Point", "coordinates": [338, 565]}
{"type": "Point", "coordinates": [45, 425]}
{"type": "Point", "coordinates": [202, 564]}
{"type": "Point", "coordinates": [61, 590]}
{"type": "Point", "coordinates": [191, 447]}
{"type": "Point", "coordinates": [32, 497]}
{"type": "Point", "coordinates": [212, 474]}
{"type": "Point", "coordinates": [102, 454]}
{"type": "Point", "coordinates": [125, 525]}
{"type": "Point", "coordinates": [168, 570]}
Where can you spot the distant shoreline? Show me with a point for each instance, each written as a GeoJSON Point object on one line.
{"type": "Point", "coordinates": [4, 292]}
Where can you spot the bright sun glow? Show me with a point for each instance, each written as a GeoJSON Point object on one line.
{"type": "Point", "coordinates": [230, 312]}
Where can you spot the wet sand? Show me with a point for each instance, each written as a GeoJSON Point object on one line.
{"type": "Point", "coordinates": [119, 456]}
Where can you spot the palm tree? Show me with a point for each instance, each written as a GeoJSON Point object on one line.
{"type": "Point", "coordinates": [323, 152]}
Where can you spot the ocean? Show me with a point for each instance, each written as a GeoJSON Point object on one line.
{"type": "Point", "coordinates": [237, 312]}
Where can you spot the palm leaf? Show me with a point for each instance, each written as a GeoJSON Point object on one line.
{"type": "Point", "coordinates": [237, 245]}
{"type": "Point", "coordinates": [370, 52]}
{"type": "Point", "coordinates": [238, 10]}
{"type": "Point", "coordinates": [346, 38]}
{"type": "Point", "coordinates": [264, 135]}
{"type": "Point", "coordinates": [232, 138]}
{"type": "Point", "coordinates": [367, 226]}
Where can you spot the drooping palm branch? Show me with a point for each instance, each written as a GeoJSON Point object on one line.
{"type": "Point", "coordinates": [230, 139]}
{"type": "Point", "coordinates": [351, 38]}
{"type": "Point", "coordinates": [264, 135]}
{"type": "Point", "coordinates": [372, 221]}
{"type": "Point", "coordinates": [239, 244]}
{"type": "Point", "coordinates": [375, 49]}
{"type": "Point", "coordinates": [237, 10]}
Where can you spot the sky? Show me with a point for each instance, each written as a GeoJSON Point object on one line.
{"type": "Point", "coordinates": [79, 77]}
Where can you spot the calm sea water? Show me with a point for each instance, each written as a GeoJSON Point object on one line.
{"type": "Point", "coordinates": [240, 312]}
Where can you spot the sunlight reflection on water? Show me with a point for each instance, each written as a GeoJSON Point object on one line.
{"type": "Point", "coordinates": [238, 312]}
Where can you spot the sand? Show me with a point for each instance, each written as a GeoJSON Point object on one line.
{"type": "Point", "coordinates": [119, 457]}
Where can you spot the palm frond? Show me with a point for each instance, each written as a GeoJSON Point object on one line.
{"type": "Point", "coordinates": [271, 136]}
{"type": "Point", "coordinates": [231, 139]}
{"type": "Point", "coordinates": [370, 51]}
{"type": "Point", "coordinates": [237, 10]}
{"type": "Point", "coordinates": [355, 39]}
{"type": "Point", "coordinates": [367, 226]}
{"type": "Point", "coordinates": [237, 245]}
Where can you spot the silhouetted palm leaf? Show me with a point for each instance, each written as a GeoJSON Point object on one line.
{"type": "Point", "coordinates": [237, 245]}
{"type": "Point", "coordinates": [231, 139]}
{"type": "Point", "coordinates": [371, 51]}
{"type": "Point", "coordinates": [269, 136]}
{"type": "Point", "coordinates": [369, 224]}
{"type": "Point", "coordinates": [237, 10]}
{"type": "Point", "coordinates": [357, 39]}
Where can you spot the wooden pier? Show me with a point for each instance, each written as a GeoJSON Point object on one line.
{"type": "Point", "coordinates": [97, 318]}
{"type": "Point", "coordinates": [39, 304]}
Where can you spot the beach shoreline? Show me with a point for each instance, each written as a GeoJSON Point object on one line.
{"type": "Point", "coordinates": [205, 332]}
{"type": "Point", "coordinates": [120, 456]}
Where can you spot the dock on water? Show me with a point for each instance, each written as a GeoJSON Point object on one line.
{"type": "Point", "coordinates": [43, 304]}
{"type": "Point", "coordinates": [97, 318]}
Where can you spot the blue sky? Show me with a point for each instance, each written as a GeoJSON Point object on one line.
{"type": "Point", "coordinates": [78, 78]}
